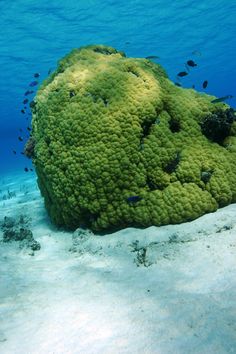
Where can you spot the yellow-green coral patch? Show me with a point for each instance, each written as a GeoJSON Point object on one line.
{"type": "Point", "coordinates": [109, 128]}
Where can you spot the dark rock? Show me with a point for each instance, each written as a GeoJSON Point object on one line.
{"type": "Point", "coordinates": [9, 235]}
{"type": "Point", "coordinates": [8, 222]}
{"type": "Point", "coordinates": [35, 246]}
{"type": "Point", "coordinates": [18, 230]}
{"type": "Point", "coordinates": [216, 126]}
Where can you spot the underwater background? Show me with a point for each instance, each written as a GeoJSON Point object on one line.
{"type": "Point", "coordinates": [168, 289]}
{"type": "Point", "coordinates": [36, 34]}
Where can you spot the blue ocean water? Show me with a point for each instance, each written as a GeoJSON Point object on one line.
{"type": "Point", "coordinates": [35, 34]}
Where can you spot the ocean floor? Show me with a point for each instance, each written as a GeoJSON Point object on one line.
{"type": "Point", "coordinates": [164, 290]}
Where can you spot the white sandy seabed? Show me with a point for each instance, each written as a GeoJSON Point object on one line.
{"type": "Point", "coordinates": [169, 289]}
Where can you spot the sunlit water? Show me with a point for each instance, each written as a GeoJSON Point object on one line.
{"type": "Point", "coordinates": [34, 35]}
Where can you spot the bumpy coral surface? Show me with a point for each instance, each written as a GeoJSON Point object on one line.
{"type": "Point", "coordinates": [117, 144]}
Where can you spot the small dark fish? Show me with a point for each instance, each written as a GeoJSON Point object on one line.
{"type": "Point", "coordinates": [22, 153]}
{"type": "Point", "coordinates": [182, 73]}
{"type": "Point", "coordinates": [205, 83]}
{"type": "Point", "coordinates": [31, 169]}
{"type": "Point", "coordinates": [127, 42]}
{"type": "Point", "coordinates": [14, 152]}
{"type": "Point", "coordinates": [172, 165]}
{"type": "Point", "coordinates": [33, 83]}
{"type": "Point", "coordinates": [25, 101]}
{"type": "Point", "coordinates": [49, 71]}
{"type": "Point", "coordinates": [28, 92]}
{"type": "Point", "coordinates": [29, 129]}
{"type": "Point", "coordinates": [20, 138]}
{"type": "Point", "coordinates": [134, 199]}
{"type": "Point", "coordinates": [221, 99]}
{"type": "Point", "coordinates": [196, 52]}
{"type": "Point", "coordinates": [36, 75]}
{"type": "Point", "coordinates": [26, 169]}
{"type": "Point", "coordinates": [191, 63]}
{"type": "Point", "coordinates": [193, 86]}
{"type": "Point", "coordinates": [177, 84]}
{"type": "Point", "coordinates": [23, 111]}
{"type": "Point", "coordinates": [152, 57]}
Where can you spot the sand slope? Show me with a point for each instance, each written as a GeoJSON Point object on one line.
{"type": "Point", "coordinates": [159, 290]}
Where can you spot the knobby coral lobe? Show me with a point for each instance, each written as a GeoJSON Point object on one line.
{"type": "Point", "coordinates": [107, 128]}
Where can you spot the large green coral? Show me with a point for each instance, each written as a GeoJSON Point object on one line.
{"type": "Point", "coordinates": [107, 128]}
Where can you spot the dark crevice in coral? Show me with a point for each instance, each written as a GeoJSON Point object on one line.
{"type": "Point", "coordinates": [146, 128]}
{"type": "Point", "coordinates": [206, 175]}
{"type": "Point", "coordinates": [141, 145]}
{"type": "Point", "coordinates": [217, 125]}
{"type": "Point", "coordinates": [72, 93]}
{"type": "Point", "coordinates": [63, 167]}
{"type": "Point", "coordinates": [172, 165]}
{"type": "Point", "coordinates": [222, 203]}
{"type": "Point", "coordinates": [96, 98]}
{"type": "Point", "coordinates": [103, 51]}
{"type": "Point", "coordinates": [87, 218]}
{"type": "Point", "coordinates": [174, 125]}
{"type": "Point", "coordinates": [105, 100]}
{"type": "Point", "coordinates": [151, 185]}
{"type": "Point", "coordinates": [47, 140]}
{"type": "Point", "coordinates": [135, 73]}
{"type": "Point", "coordinates": [61, 69]}
{"type": "Point", "coordinates": [122, 225]}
